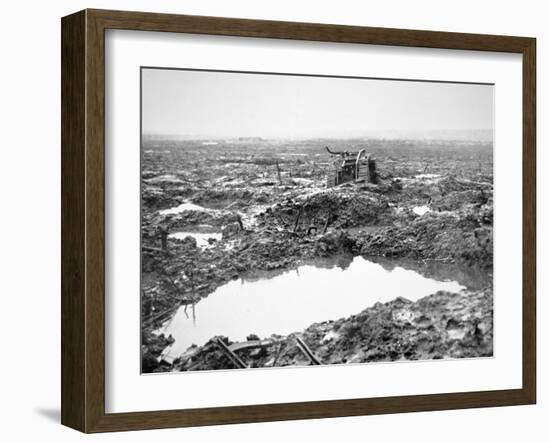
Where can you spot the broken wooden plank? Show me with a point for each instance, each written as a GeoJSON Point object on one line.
{"type": "Point", "coordinates": [279, 352]}
{"type": "Point", "coordinates": [232, 356]}
{"type": "Point", "coordinates": [151, 249]}
{"type": "Point", "coordinates": [305, 350]}
{"type": "Point", "coordinates": [297, 221]}
{"type": "Point", "coordinates": [249, 345]}
{"type": "Point", "coordinates": [325, 227]}
{"type": "Point", "coordinates": [279, 173]}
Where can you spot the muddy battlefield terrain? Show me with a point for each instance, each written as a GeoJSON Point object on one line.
{"type": "Point", "coordinates": [218, 211]}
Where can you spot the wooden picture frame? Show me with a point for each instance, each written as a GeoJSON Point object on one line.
{"type": "Point", "coordinates": [83, 220]}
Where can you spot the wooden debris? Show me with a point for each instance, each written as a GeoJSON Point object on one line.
{"type": "Point", "coordinates": [231, 354]}
{"type": "Point", "coordinates": [297, 221]}
{"type": "Point", "coordinates": [279, 173]}
{"type": "Point", "coordinates": [249, 345]}
{"type": "Point", "coordinates": [279, 352]}
{"type": "Point", "coordinates": [151, 249]}
{"type": "Point", "coordinates": [325, 227]}
{"type": "Point", "coordinates": [305, 350]}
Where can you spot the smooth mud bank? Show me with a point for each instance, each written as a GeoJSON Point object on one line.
{"type": "Point", "coordinates": [238, 217]}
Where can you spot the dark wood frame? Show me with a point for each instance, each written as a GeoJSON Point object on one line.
{"type": "Point", "coordinates": [83, 216]}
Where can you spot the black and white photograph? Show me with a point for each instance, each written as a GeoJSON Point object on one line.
{"type": "Point", "coordinates": [302, 220]}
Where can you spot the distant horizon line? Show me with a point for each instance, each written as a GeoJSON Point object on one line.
{"type": "Point", "coordinates": [458, 135]}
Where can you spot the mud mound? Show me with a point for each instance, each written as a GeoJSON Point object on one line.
{"type": "Point", "coordinates": [229, 198]}
{"type": "Point", "coordinates": [456, 200]}
{"type": "Point", "coordinates": [337, 208]}
{"type": "Point", "coordinates": [435, 236]}
{"type": "Point", "coordinates": [443, 325]}
{"type": "Point", "coordinates": [158, 197]}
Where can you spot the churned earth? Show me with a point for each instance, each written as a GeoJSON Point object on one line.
{"type": "Point", "coordinates": [215, 213]}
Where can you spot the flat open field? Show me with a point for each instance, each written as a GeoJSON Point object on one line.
{"type": "Point", "coordinates": [236, 232]}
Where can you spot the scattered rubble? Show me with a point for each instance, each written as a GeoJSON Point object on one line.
{"type": "Point", "coordinates": [266, 207]}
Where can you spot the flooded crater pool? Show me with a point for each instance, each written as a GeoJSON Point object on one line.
{"type": "Point", "coordinates": [290, 301]}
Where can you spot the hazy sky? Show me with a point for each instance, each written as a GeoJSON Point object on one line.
{"type": "Point", "coordinates": [219, 104]}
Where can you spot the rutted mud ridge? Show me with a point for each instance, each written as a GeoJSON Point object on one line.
{"type": "Point", "coordinates": [215, 213]}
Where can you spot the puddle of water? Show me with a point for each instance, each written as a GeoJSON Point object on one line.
{"type": "Point", "coordinates": [248, 218]}
{"type": "Point", "coordinates": [427, 176]}
{"type": "Point", "coordinates": [182, 208]}
{"type": "Point", "coordinates": [293, 300]}
{"type": "Point", "coordinates": [421, 210]}
{"type": "Point", "coordinates": [303, 181]}
{"type": "Point", "coordinates": [201, 238]}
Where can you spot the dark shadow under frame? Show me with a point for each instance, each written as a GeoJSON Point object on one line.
{"type": "Point", "coordinates": [83, 218]}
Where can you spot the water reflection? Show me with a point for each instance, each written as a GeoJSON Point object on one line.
{"type": "Point", "coordinates": [473, 278]}
{"type": "Point", "coordinates": [283, 302]}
